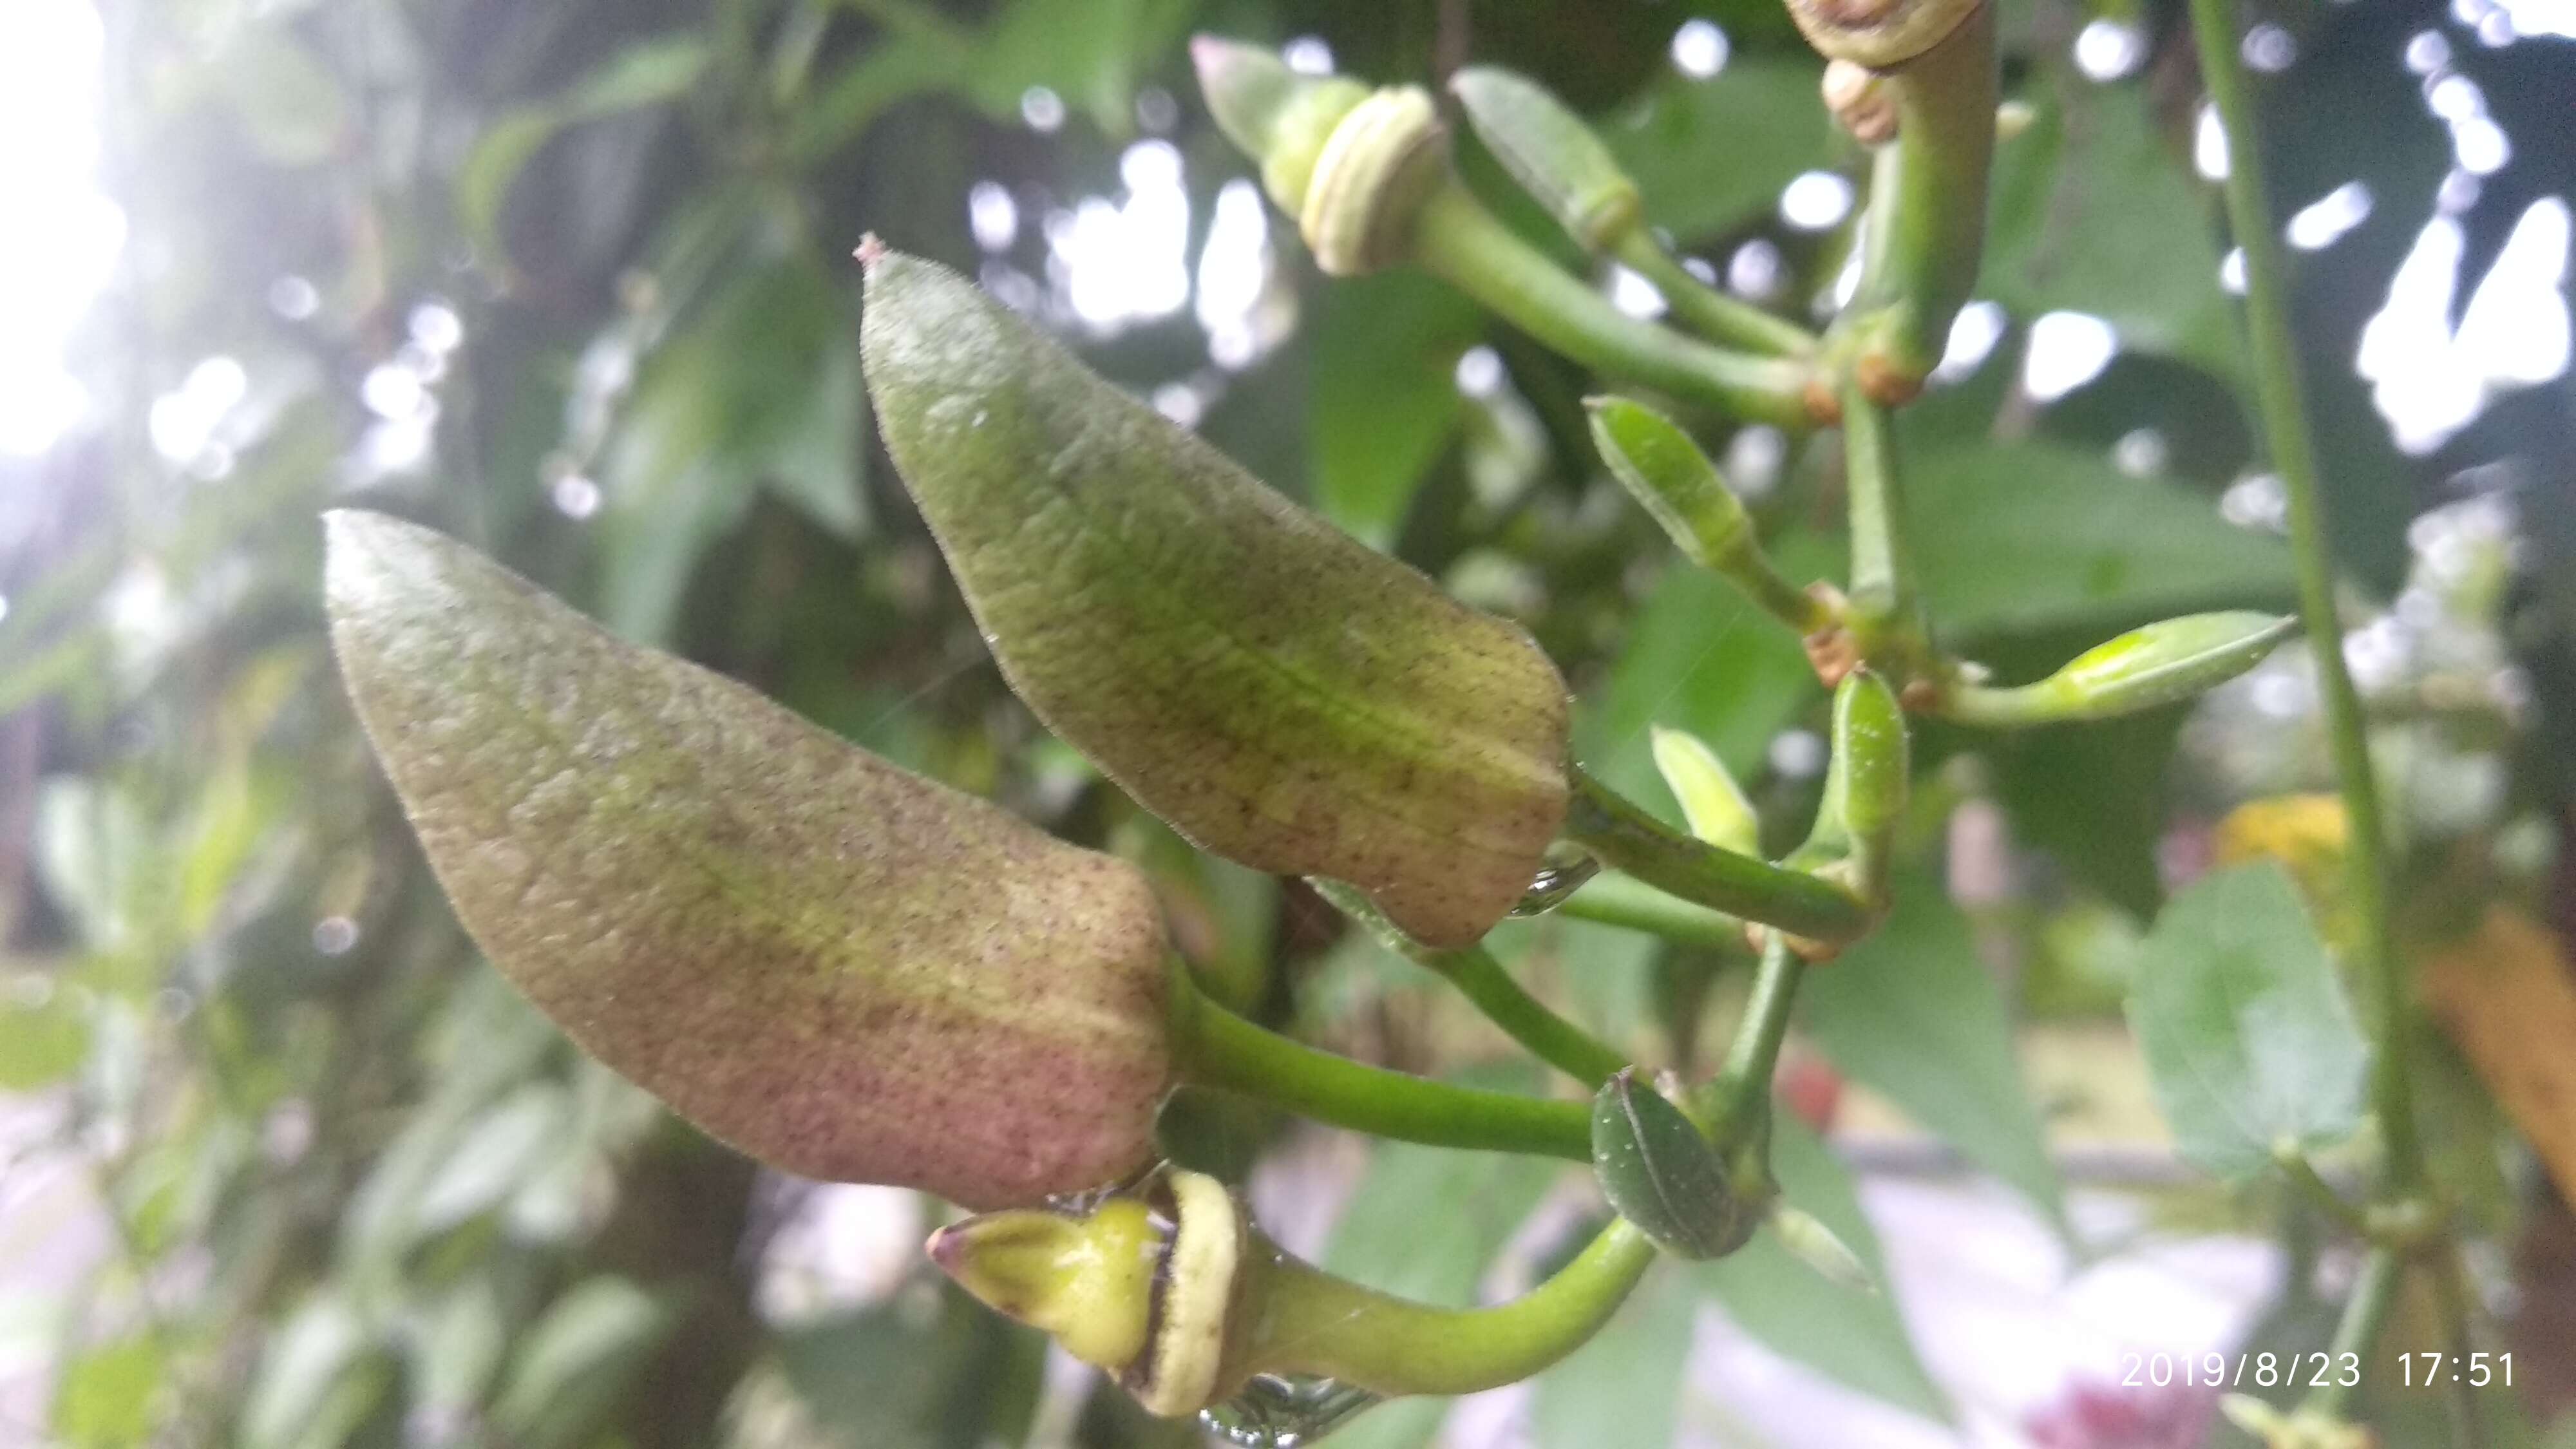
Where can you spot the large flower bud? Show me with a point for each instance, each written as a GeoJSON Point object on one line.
{"type": "Point", "coordinates": [1352, 165]}
{"type": "Point", "coordinates": [840, 968]}
{"type": "Point", "coordinates": [1273, 688]}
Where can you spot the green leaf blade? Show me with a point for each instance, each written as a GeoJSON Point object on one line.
{"type": "Point", "coordinates": [2250, 1042]}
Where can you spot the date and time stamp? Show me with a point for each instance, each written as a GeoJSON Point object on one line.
{"type": "Point", "coordinates": [2310, 1370]}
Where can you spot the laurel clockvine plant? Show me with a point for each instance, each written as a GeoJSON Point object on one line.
{"type": "Point", "coordinates": [854, 973]}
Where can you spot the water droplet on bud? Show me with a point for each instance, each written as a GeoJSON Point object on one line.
{"type": "Point", "coordinates": [1563, 873]}
{"type": "Point", "coordinates": [1277, 1412]}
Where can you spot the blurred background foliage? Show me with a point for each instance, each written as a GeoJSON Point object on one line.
{"type": "Point", "coordinates": [288, 1166]}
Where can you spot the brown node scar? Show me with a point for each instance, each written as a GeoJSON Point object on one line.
{"type": "Point", "coordinates": [1884, 382]}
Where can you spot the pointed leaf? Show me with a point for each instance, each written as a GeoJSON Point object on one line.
{"type": "Point", "coordinates": [840, 968]}
{"type": "Point", "coordinates": [1276, 691]}
{"type": "Point", "coordinates": [2249, 1041]}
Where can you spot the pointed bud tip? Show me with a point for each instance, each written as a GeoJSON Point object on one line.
{"type": "Point", "coordinates": [869, 252]}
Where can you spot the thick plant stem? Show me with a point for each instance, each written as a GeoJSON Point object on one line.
{"type": "Point", "coordinates": [1884, 613]}
{"type": "Point", "coordinates": [1216, 1048]}
{"type": "Point", "coordinates": [1477, 975]}
{"type": "Point", "coordinates": [1312, 1322]}
{"type": "Point", "coordinates": [2293, 452]}
{"type": "Point", "coordinates": [1927, 212]}
{"type": "Point", "coordinates": [1613, 899]}
{"type": "Point", "coordinates": [1625, 836]}
{"type": "Point", "coordinates": [1704, 309]}
{"type": "Point", "coordinates": [1459, 241]}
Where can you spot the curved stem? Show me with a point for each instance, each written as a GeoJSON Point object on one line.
{"type": "Point", "coordinates": [1625, 836]}
{"type": "Point", "coordinates": [1926, 225]}
{"type": "Point", "coordinates": [1308, 1321]}
{"type": "Point", "coordinates": [1527, 1020]}
{"type": "Point", "coordinates": [1613, 899]}
{"type": "Point", "coordinates": [1740, 1088]}
{"type": "Point", "coordinates": [1216, 1048]}
{"type": "Point", "coordinates": [1474, 971]}
{"type": "Point", "coordinates": [2293, 451]}
{"type": "Point", "coordinates": [1458, 240]}
{"type": "Point", "coordinates": [1711, 313]}
{"type": "Point", "coordinates": [2321, 1194]}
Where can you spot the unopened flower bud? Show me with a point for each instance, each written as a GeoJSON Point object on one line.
{"type": "Point", "coordinates": [842, 969]}
{"type": "Point", "coordinates": [2162, 663]}
{"type": "Point", "coordinates": [1551, 152]}
{"type": "Point", "coordinates": [1351, 164]}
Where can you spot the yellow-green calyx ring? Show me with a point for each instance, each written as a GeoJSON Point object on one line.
{"type": "Point", "coordinates": [1141, 1285]}
{"type": "Point", "coordinates": [1369, 181]}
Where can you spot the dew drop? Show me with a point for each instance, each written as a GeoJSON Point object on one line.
{"type": "Point", "coordinates": [1564, 873]}
{"type": "Point", "coordinates": [1276, 1412]}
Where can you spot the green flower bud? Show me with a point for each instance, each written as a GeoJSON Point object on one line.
{"type": "Point", "coordinates": [1710, 799]}
{"type": "Point", "coordinates": [1553, 155]}
{"type": "Point", "coordinates": [1871, 769]}
{"type": "Point", "coordinates": [839, 968]}
{"type": "Point", "coordinates": [1143, 1285]}
{"type": "Point", "coordinates": [1352, 165]}
{"type": "Point", "coordinates": [1661, 1174]}
{"type": "Point", "coordinates": [1273, 114]}
{"type": "Point", "coordinates": [1667, 473]}
{"type": "Point", "coordinates": [1173, 1289]}
{"type": "Point", "coordinates": [1278, 692]}
{"type": "Point", "coordinates": [2162, 663]}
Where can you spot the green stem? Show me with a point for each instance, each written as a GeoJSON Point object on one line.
{"type": "Point", "coordinates": [1459, 241]}
{"type": "Point", "coordinates": [2293, 450]}
{"type": "Point", "coordinates": [1310, 1322]}
{"type": "Point", "coordinates": [1706, 310]}
{"type": "Point", "coordinates": [1926, 225]}
{"type": "Point", "coordinates": [1527, 1020]}
{"type": "Point", "coordinates": [2363, 1315]}
{"type": "Point", "coordinates": [1626, 837]}
{"type": "Point", "coordinates": [1474, 971]}
{"type": "Point", "coordinates": [1884, 613]}
{"type": "Point", "coordinates": [1741, 1086]}
{"type": "Point", "coordinates": [1218, 1049]}
{"type": "Point", "coordinates": [1614, 899]}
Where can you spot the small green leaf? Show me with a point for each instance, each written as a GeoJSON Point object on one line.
{"type": "Point", "coordinates": [1278, 692]}
{"type": "Point", "coordinates": [1661, 1174]}
{"type": "Point", "coordinates": [1710, 799]}
{"type": "Point", "coordinates": [1550, 151]}
{"type": "Point", "coordinates": [1866, 788]}
{"type": "Point", "coordinates": [2163, 663]}
{"type": "Point", "coordinates": [840, 968]}
{"type": "Point", "coordinates": [2249, 1041]}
